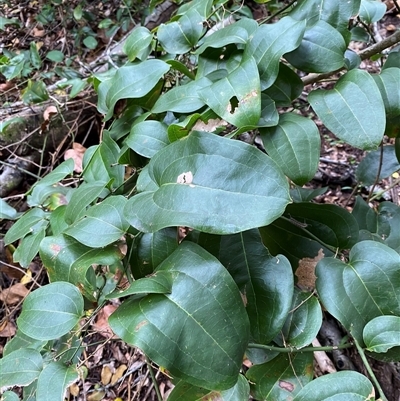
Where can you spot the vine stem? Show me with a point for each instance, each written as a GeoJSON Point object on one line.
{"type": "Point", "coordinates": [288, 350]}
{"type": "Point", "coordinates": [369, 369]}
{"type": "Point", "coordinates": [154, 380]}
{"type": "Point", "coordinates": [364, 54]}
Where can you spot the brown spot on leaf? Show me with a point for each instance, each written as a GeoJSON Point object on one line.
{"type": "Point", "coordinates": [141, 324]}
{"type": "Point", "coordinates": [286, 385]}
{"type": "Point", "coordinates": [56, 249]}
{"type": "Point", "coordinates": [306, 272]}
{"type": "Point", "coordinates": [214, 396]}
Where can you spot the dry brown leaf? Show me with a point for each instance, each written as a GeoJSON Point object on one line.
{"type": "Point", "coordinates": [306, 272]}
{"type": "Point", "coordinates": [118, 373]}
{"type": "Point", "coordinates": [7, 329]}
{"type": "Point", "coordinates": [38, 32]}
{"type": "Point", "coordinates": [50, 112]}
{"type": "Point", "coordinates": [14, 294]}
{"type": "Point", "coordinates": [101, 324]}
{"type": "Point", "coordinates": [211, 126]}
{"type": "Point", "coordinates": [106, 374]}
{"type": "Point", "coordinates": [76, 153]}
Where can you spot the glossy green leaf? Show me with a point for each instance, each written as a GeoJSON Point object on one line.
{"type": "Point", "coordinates": [371, 11]}
{"type": "Point", "coordinates": [382, 333]}
{"type": "Point", "coordinates": [29, 247]}
{"type": "Point", "coordinates": [137, 45]}
{"type": "Point", "coordinates": [237, 33]}
{"type": "Point", "coordinates": [352, 59]}
{"type": "Point", "coordinates": [35, 92]}
{"type": "Point", "coordinates": [34, 56]}
{"type": "Point", "coordinates": [354, 110]}
{"type": "Point", "coordinates": [20, 368]}
{"type": "Point", "coordinates": [198, 176]}
{"type": "Point", "coordinates": [81, 198]}
{"type": "Point", "coordinates": [294, 145]}
{"type": "Point", "coordinates": [269, 114]}
{"type": "Point", "coordinates": [134, 81]}
{"type": "Point", "coordinates": [321, 49]}
{"type": "Point", "coordinates": [55, 55]}
{"type": "Point", "coordinates": [178, 330]}
{"type": "Point", "coordinates": [101, 163]}
{"type": "Point", "coordinates": [24, 225]}
{"type": "Point", "coordinates": [180, 36]}
{"type": "Point", "coordinates": [286, 88]}
{"type": "Point", "coordinates": [385, 162]}
{"type": "Point", "coordinates": [286, 237]}
{"type": "Point", "coordinates": [51, 311]}
{"type": "Point", "coordinates": [178, 66]}
{"type": "Point", "coordinates": [299, 194]}
{"type": "Point", "coordinates": [68, 260]}
{"type": "Point", "coordinates": [332, 224]}
{"type": "Point", "coordinates": [102, 224]}
{"type": "Point", "coordinates": [366, 217]}
{"type": "Point", "coordinates": [187, 392]}
{"type": "Point", "coordinates": [7, 212]}
{"type": "Point", "coordinates": [9, 396]}
{"type": "Point", "coordinates": [365, 288]}
{"type": "Point", "coordinates": [346, 385]}
{"type": "Point", "coordinates": [393, 58]}
{"type": "Point", "coordinates": [57, 220]}
{"type": "Point", "coordinates": [182, 99]}
{"type": "Point", "coordinates": [387, 224]}
{"type": "Point", "coordinates": [54, 380]}
{"type": "Point", "coordinates": [303, 322]}
{"type": "Point", "coordinates": [236, 98]}
{"type": "Point", "coordinates": [388, 82]}
{"type": "Point", "coordinates": [147, 138]}
{"type": "Point", "coordinates": [266, 281]}
{"type": "Point", "coordinates": [282, 378]}
{"type": "Point", "coordinates": [335, 13]}
{"type": "Point", "coordinates": [268, 45]}
{"type": "Point", "coordinates": [152, 249]}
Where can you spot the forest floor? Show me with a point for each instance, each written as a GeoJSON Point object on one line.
{"type": "Point", "coordinates": [116, 371]}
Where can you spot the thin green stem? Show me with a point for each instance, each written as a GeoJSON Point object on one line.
{"type": "Point", "coordinates": [369, 369]}
{"type": "Point", "coordinates": [288, 350]}
{"type": "Point", "coordinates": [153, 378]}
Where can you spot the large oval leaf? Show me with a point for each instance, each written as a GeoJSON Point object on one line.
{"type": "Point", "coordinates": [382, 333]}
{"type": "Point", "coordinates": [388, 82]}
{"type": "Point", "coordinates": [202, 319]}
{"type": "Point", "coordinates": [353, 110]}
{"type": "Point", "coordinates": [365, 288]}
{"type": "Point", "coordinates": [51, 311]}
{"type": "Point", "coordinates": [266, 281]}
{"type": "Point", "coordinates": [282, 378]}
{"type": "Point", "coordinates": [20, 368]}
{"type": "Point", "coordinates": [210, 183]}
{"type": "Point", "coordinates": [294, 144]}
{"type": "Point", "coordinates": [321, 50]}
{"type": "Point", "coordinates": [54, 380]}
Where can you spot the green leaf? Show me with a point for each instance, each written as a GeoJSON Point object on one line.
{"type": "Point", "coordinates": [180, 36]}
{"type": "Point", "coordinates": [201, 174]}
{"type": "Point", "coordinates": [237, 97]}
{"type": "Point", "coordinates": [54, 380]}
{"type": "Point", "coordinates": [178, 330]}
{"type": "Point", "coordinates": [347, 385]}
{"type": "Point", "coordinates": [321, 50]}
{"type": "Point", "coordinates": [354, 110]}
{"type": "Point", "coordinates": [8, 21]}
{"type": "Point", "coordinates": [371, 11]}
{"type": "Point", "coordinates": [7, 212]}
{"type": "Point", "coordinates": [82, 197]}
{"type": "Point", "coordinates": [382, 333]}
{"type": "Point", "coordinates": [393, 58]}
{"type": "Point", "coordinates": [90, 42]}
{"type": "Point", "coordinates": [383, 161]}
{"type": "Point", "coordinates": [35, 92]}
{"type": "Point", "coordinates": [286, 88]}
{"type": "Point", "coordinates": [303, 322]}
{"type": "Point", "coordinates": [151, 249]}
{"type": "Point", "coordinates": [282, 378]}
{"type": "Point", "coordinates": [365, 288]}
{"type": "Point", "coordinates": [51, 311]}
{"type": "Point", "coordinates": [294, 145]}
{"type": "Point", "coordinates": [237, 33]}
{"type": "Point", "coordinates": [20, 340]}
{"type": "Point", "coordinates": [332, 224]}
{"type": "Point", "coordinates": [34, 56]}
{"type": "Point", "coordinates": [102, 224]}
{"type": "Point", "coordinates": [55, 55]}
{"type": "Point", "coordinates": [266, 281]}
{"type": "Point", "coordinates": [268, 45]}
{"type": "Point", "coordinates": [24, 225]}
{"type": "Point", "coordinates": [137, 45]}
{"type": "Point", "coordinates": [134, 81]}
{"type": "Point", "coordinates": [366, 217]}
{"type": "Point", "coordinates": [187, 392]}
{"type": "Point", "coordinates": [10, 396]}
{"type": "Point", "coordinates": [177, 65]}
{"type": "Point", "coordinates": [20, 368]}
{"type": "Point", "coordinates": [388, 81]}
{"type": "Point", "coordinates": [29, 247]}
{"type": "Point", "coordinates": [182, 99]}
{"type": "Point", "coordinates": [147, 138]}
{"type": "Point", "coordinates": [78, 12]}
{"type": "Point", "coordinates": [68, 260]}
